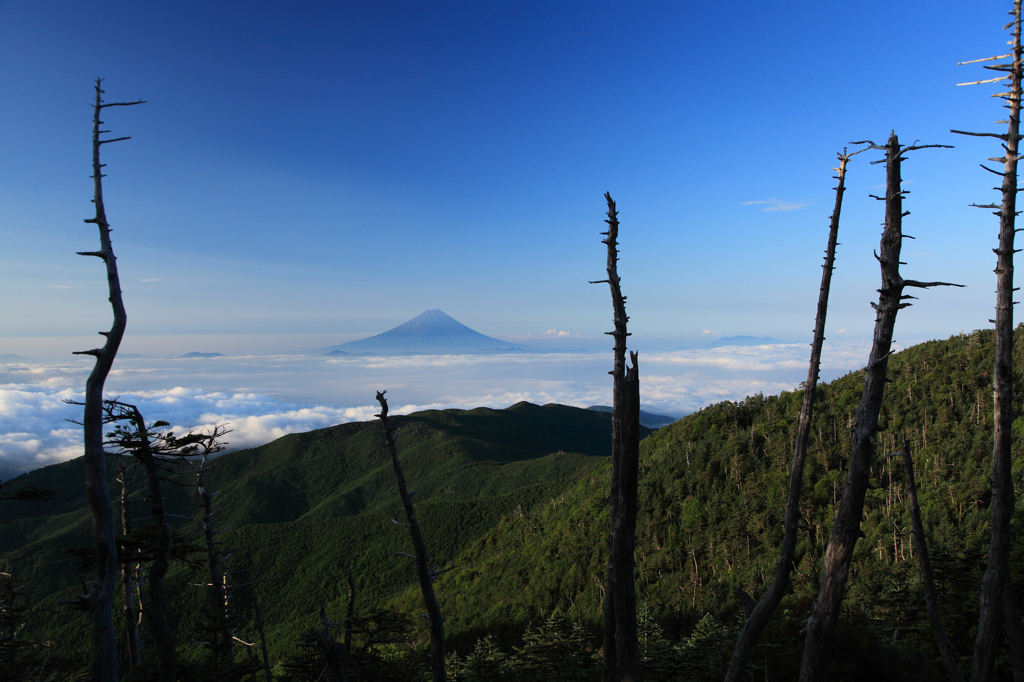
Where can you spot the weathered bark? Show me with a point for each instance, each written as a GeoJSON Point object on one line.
{"type": "Point", "coordinates": [931, 599]}
{"type": "Point", "coordinates": [621, 658]}
{"type": "Point", "coordinates": [995, 585]}
{"type": "Point", "coordinates": [423, 573]}
{"type": "Point", "coordinates": [131, 620]}
{"type": "Point", "coordinates": [846, 530]}
{"type": "Point", "coordinates": [99, 601]}
{"type": "Point", "coordinates": [156, 619]}
{"type": "Point", "coordinates": [763, 611]}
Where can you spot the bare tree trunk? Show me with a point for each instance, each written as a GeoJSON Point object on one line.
{"type": "Point", "coordinates": [761, 613]}
{"type": "Point", "coordinates": [156, 621]}
{"type": "Point", "coordinates": [846, 530]}
{"type": "Point", "coordinates": [996, 601]}
{"type": "Point", "coordinates": [931, 600]}
{"type": "Point", "coordinates": [426, 578]}
{"type": "Point", "coordinates": [621, 659]}
{"type": "Point", "coordinates": [131, 620]}
{"type": "Point", "coordinates": [99, 601]}
{"type": "Point", "coordinates": [222, 642]}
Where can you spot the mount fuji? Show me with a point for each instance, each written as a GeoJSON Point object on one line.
{"type": "Point", "coordinates": [432, 333]}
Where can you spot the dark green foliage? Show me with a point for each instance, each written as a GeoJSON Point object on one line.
{"type": "Point", "coordinates": [306, 506]}
{"type": "Point", "coordinates": [528, 529]}
{"type": "Point", "coordinates": [712, 493]}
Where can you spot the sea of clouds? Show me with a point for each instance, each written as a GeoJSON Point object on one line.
{"type": "Point", "coordinates": [265, 397]}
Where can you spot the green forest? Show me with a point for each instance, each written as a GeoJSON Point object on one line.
{"type": "Point", "coordinates": [517, 499]}
{"type": "Point", "coordinates": [775, 538]}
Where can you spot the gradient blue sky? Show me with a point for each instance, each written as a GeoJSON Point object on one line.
{"type": "Point", "coordinates": [310, 173]}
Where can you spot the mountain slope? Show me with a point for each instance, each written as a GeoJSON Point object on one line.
{"type": "Point", "coordinates": [431, 333]}
{"type": "Point", "coordinates": [712, 496]}
{"type": "Point", "coordinates": [308, 506]}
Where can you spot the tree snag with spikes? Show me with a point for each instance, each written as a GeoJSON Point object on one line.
{"type": "Point", "coordinates": [996, 586]}
{"type": "Point", "coordinates": [425, 576]}
{"type": "Point", "coordinates": [99, 600]}
{"type": "Point", "coordinates": [621, 660]}
{"type": "Point", "coordinates": [762, 613]}
{"type": "Point", "coordinates": [846, 530]}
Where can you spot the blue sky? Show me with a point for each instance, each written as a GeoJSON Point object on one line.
{"type": "Point", "coordinates": [335, 169]}
{"type": "Point", "coordinates": [305, 174]}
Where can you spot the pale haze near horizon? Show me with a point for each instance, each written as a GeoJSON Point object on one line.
{"type": "Point", "coordinates": [307, 175]}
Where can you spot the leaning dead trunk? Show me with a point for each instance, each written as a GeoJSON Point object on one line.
{"type": "Point", "coordinates": [761, 613]}
{"type": "Point", "coordinates": [846, 530]}
{"type": "Point", "coordinates": [997, 600]}
{"type": "Point", "coordinates": [99, 601]}
{"type": "Point", "coordinates": [931, 599]}
{"type": "Point", "coordinates": [621, 660]}
{"type": "Point", "coordinates": [423, 573]}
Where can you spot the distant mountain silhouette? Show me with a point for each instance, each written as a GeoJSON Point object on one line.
{"type": "Point", "coordinates": [195, 354]}
{"type": "Point", "coordinates": [648, 419]}
{"type": "Point", "coordinates": [743, 341]}
{"type": "Point", "coordinates": [11, 357]}
{"type": "Point", "coordinates": [337, 353]}
{"type": "Point", "coordinates": [432, 333]}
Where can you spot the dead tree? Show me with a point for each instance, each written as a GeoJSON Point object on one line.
{"type": "Point", "coordinates": [99, 601]}
{"type": "Point", "coordinates": [846, 529]}
{"type": "Point", "coordinates": [762, 612]}
{"type": "Point", "coordinates": [128, 575]}
{"type": "Point", "coordinates": [621, 660]}
{"type": "Point", "coordinates": [221, 640]}
{"type": "Point", "coordinates": [423, 573]}
{"type": "Point", "coordinates": [996, 586]}
{"type": "Point", "coordinates": [157, 451]}
{"type": "Point", "coordinates": [931, 599]}
{"type": "Point", "coordinates": [136, 440]}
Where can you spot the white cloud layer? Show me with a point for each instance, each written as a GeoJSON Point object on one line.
{"type": "Point", "coordinates": [261, 398]}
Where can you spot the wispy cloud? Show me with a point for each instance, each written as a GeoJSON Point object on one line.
{"type": "Point", "coordinates": [776, 205]}
{"type": "Point", "coordinates": [265, 397]}
{"type": "Point", "coordinates": [151, 279]}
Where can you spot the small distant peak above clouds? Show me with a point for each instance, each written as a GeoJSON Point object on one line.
{"type": "Point", "coordinates": [196, 354]}
{"type": "Point", "coordinates": [11, 357]}
{"type": "Point", "coordinates": [431, 333]}
{"type": "Point", "coordinates": [743, 341]}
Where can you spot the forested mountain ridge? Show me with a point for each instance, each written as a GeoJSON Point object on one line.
{"type": "Point", "coordinates": [309, 506]}
{"type": "Point", "coordinates": [527, 527]}
{"type": "Point", "coordinates": [712, 496]}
